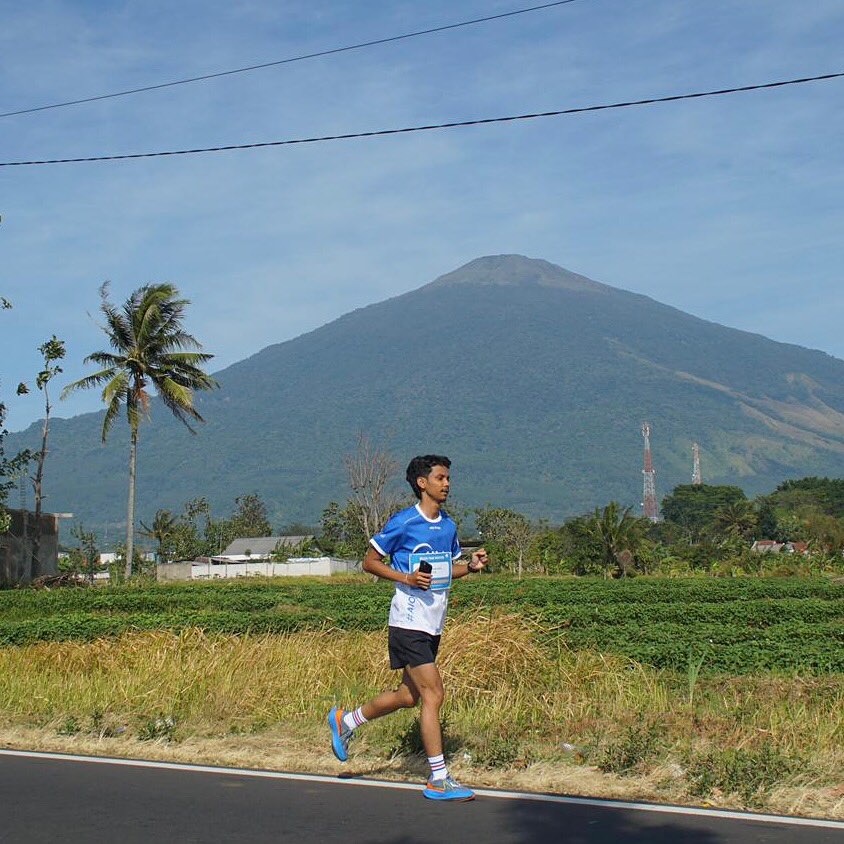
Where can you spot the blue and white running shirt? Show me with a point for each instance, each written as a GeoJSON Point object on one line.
{"type": "Point", "coordinates": [411, 532]}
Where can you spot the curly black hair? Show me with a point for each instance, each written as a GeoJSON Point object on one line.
{"type": "Point", "coordinates": [420, 467]}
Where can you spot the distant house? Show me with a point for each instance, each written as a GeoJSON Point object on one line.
{"type": "Point", "coordinates": [769, 546]}
{"type": "Point", "coordinates": [257, 548]}
{"type": "Point", "coordinates": [109, 558]}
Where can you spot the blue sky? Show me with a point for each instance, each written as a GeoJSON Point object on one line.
{"type": "Point", "coordinates": [728, 208]}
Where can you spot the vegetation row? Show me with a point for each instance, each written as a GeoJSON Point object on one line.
{"type": "Point", "coordinates": [733, 626]}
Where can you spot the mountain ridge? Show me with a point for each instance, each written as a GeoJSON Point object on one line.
{"type": "Point", "coordinates": [535, 381]}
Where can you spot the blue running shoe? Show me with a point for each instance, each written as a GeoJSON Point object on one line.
{"type": "Point", "coordinates": [340, 736]}
{"type": "Point", "coordinates": [447, 789]}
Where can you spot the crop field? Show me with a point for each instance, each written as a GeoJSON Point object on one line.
{"type": "Point", "coordinates": [730, 626]}
{"type": "Point", "coordinates": [682, 690]}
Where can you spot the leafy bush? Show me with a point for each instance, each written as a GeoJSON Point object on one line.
{"type": "Point", "coordinates": [160, 728]}
{"type": "Point", "coordinates": [498, 750]}
{"type": "Point", "coordinates": [748, 773]}
{"type": "Point", "coordinates": [639, 744]}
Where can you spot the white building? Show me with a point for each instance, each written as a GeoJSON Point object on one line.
{"type": "Point", "coordinates": [259, 548]}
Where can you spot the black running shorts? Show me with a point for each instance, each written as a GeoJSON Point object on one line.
{"type": "Point", "coordinates": [409, 648]}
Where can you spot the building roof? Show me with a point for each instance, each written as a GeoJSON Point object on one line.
{"type": "Point", "coordinates": [262, 546]}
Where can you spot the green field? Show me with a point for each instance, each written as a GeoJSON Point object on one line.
{"type": "Point", "coordinates": [736, 626]}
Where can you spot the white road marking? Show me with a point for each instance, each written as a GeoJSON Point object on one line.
{"type": "Point", "coordinates": [405, 786]}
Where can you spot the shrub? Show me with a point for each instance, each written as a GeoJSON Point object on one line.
{"type": "Point", "coordinates": [639, 744]}
{"type": "Point", "coordinates": [749, 773]}
{"type": "Point", "coordinates": [160, 728]}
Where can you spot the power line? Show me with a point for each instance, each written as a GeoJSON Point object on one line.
{"type": "Point", "coordinates": [290, 60]}
{"type": "Point", "coordinates": [427, 128]}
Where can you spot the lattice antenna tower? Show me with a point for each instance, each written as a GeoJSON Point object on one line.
{"type": "Point", "coordinates": [650, 506]}
{"type": "Point", "coordinates": [23, 482]}
{"type": "Point", "coordinates": [697, 478]}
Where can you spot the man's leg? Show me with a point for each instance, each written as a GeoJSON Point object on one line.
{"type": "Point", "coordinates": [440, 786]}
{"type": "Point", "coordinates": [404, 697]}
{"type": "Point", "coordinates": [426, 679]}
{"type": "Point", "coordinates": [343, 724]}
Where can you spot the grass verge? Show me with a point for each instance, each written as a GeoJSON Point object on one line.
{"type": "Point", "coordinates": [520, 713]}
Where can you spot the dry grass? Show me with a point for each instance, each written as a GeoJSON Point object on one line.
{"type": "Point", "coordinates": [260, 701]}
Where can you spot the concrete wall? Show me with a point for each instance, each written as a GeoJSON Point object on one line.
{"type": "Point", "coordinates": [303, 567]}
{"type": "Point", "coordinates": [16, 548]}
{"type": "Point", "coordinates": [168, 572]}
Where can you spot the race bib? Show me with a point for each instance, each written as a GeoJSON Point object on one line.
{"type": "Point", "coordinates": [440, 568]}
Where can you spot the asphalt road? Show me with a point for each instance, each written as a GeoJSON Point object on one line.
{"type": "Point", "coordinates": [68, 801]}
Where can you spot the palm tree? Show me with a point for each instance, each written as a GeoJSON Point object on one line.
{"type": "Point", "coordinates": [151, 348]}
{"type": "Point", "coordinates": [160, 530]}
{"type": "Point", "coordinates": [617, 531]}
{"type": "Point", "coordinates": [736, 520]}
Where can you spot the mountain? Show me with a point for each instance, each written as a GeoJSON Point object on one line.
{"type": "Point", "coordinates": [533, 379]}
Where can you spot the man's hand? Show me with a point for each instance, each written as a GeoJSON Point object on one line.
{"type": "Point", "coordinates": [420, 579]}
{"type": "Point", "coordinates": [479, 560]}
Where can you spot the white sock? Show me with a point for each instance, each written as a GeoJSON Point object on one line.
{"type": "Point", "coordinates": [352, 720]}
{"type": "Point", "coordinates": [439, 771]}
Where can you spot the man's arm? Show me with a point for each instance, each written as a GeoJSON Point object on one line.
{"type": "Point", "coordinates": [373, 563]}
{"type": "Point", "coordinates": [478, 562]}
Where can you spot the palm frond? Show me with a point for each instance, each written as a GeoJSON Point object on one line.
{"type": "Point", "coordinates": [105, 359]}
{"type": "Point", "coordinates": [117, 326]}
{"type": "Point", "coordinates": [112, 409]}
{"type": "Point", "coordinates": [89, 381]}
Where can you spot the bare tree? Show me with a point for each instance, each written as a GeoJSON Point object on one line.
{"type": "Point", "coordinates": [370, 470]}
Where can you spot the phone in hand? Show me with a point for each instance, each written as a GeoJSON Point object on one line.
{"type": "Point", "coordinates": [425, 567]}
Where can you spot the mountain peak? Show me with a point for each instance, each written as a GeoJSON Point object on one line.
{"type": "Point", "coordinates": [517, 270]}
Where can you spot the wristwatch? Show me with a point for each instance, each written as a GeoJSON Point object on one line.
{"type": "Point", "coordinates": [472, 570]}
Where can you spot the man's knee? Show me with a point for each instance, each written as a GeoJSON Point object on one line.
{"type": "Point", "coordinates": [407, 696]}
{"type": "Point", "coordinates": [433, 696]}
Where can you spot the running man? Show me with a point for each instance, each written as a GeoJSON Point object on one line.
{"type": "Point", "coordinates": [421, 535]}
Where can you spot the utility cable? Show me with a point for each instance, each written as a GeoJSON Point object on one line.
{"type": "Point", "coordinates": [290, 60]}
{"type": "Point", "coordinates": [433, 126]}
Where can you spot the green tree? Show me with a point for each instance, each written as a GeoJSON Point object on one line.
{"type": "Point", "coordinates": [10, 468]}
{"type": "Point", "coordinates": [161, 531]}
{"type": "Point", "coordinates": [306, 548]}
{"type": "Point", "coordinates": [250, 517]}
{"type": "Point", "coordinates": [507, 536]}
{"type": "Point", "coordinates": [825, 495]}
{"type": "Point", "coordinates": [342, 532]}
{"type": "Point", "coordinates": [767, 526]}
{"type": "Point", "coordinates": [618, 532]}
{"type": "Point", "coordinates": [737, 520]}
{"type": "Point", "coordinates": [51, 351]}
{"type": "Point", "coordinates": [581, 550]}
{"type": "Point", "coordinates": [151, 349]}
{"type": "Point", "coordinates": [5, 470]}
{"type": "Point", "coordinates": [693, 506]}
{"type": "Point", "coordinates": [825, 533]}
{"type": "Point", "coordinates": [185, 541]}
{"type": "Point", "coordinates": [86, 556]}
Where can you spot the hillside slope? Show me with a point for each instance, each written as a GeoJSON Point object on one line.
{"type": "Point", "coordinates": [533, 379]}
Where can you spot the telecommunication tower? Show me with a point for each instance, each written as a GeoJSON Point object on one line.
{"type": "Point", "coordinates": [697, 478]}
{"type": "Point", "coordinates": [650, 506]}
